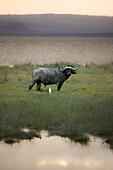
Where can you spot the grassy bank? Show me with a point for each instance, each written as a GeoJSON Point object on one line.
{"type": "Point", "coordinates": [83, 106]}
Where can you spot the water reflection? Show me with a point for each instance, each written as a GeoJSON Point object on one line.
{"type": "Point", "coordinates": [56, 153]}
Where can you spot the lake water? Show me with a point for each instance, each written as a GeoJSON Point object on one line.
{"type": "Point", "coordinates": [56, 153]}
{"type": "Point", "coordinates": [40, 50]}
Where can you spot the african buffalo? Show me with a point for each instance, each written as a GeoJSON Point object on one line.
{"type": "Point", "coordinates": [49, 76]}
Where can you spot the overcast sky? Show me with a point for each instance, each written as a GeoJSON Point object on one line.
{"type": "Point", "coordinates": [89, 7]}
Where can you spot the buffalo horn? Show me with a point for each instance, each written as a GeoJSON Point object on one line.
{"type": "Point", "coordinates": [74, 69]}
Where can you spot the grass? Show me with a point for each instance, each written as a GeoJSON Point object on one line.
{"type": "Point", "coordinates": [83, 106]}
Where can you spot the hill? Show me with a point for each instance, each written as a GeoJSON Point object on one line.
{"type": "Point", "coordinates": [55, 25]}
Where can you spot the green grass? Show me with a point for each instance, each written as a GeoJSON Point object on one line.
{"type": "Point", "coordinates": [83, 106]}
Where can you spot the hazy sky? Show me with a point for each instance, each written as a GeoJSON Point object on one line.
{"type": "Point", "coordinates": [89, 7]}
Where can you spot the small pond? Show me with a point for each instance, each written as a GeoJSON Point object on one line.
{"type": "Point", "coordinates": [56, 153]}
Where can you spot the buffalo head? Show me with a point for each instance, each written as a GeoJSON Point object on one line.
{"type": "Point", "coordinates": [68, 70]}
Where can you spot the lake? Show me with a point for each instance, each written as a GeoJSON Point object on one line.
{"type": "Point", "coordinates": [41, 50]}
{"type": "Point", "coordinates": [54, 153]}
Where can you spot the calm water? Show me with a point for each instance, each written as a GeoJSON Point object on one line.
{"type": "Point", "coordinates": [40, 50]}
{"type": "Point", "coordinates": [56, 153]}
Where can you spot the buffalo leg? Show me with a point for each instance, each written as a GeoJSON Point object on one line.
{"type": "Point", "coordinates": [59, 85]}
{"type": "Point", "coordinates": [39, 86]}
{"type": "Point", "coordinates": [31, 85]}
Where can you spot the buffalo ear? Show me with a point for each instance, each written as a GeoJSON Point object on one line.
{"type": "Point", "coordinates": [63, 71]}
{"type": "Point", "coordinates": [73, 72]}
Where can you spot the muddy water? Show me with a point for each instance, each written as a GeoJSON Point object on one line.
{"type": "Point", "coordinates": [54, 153]}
